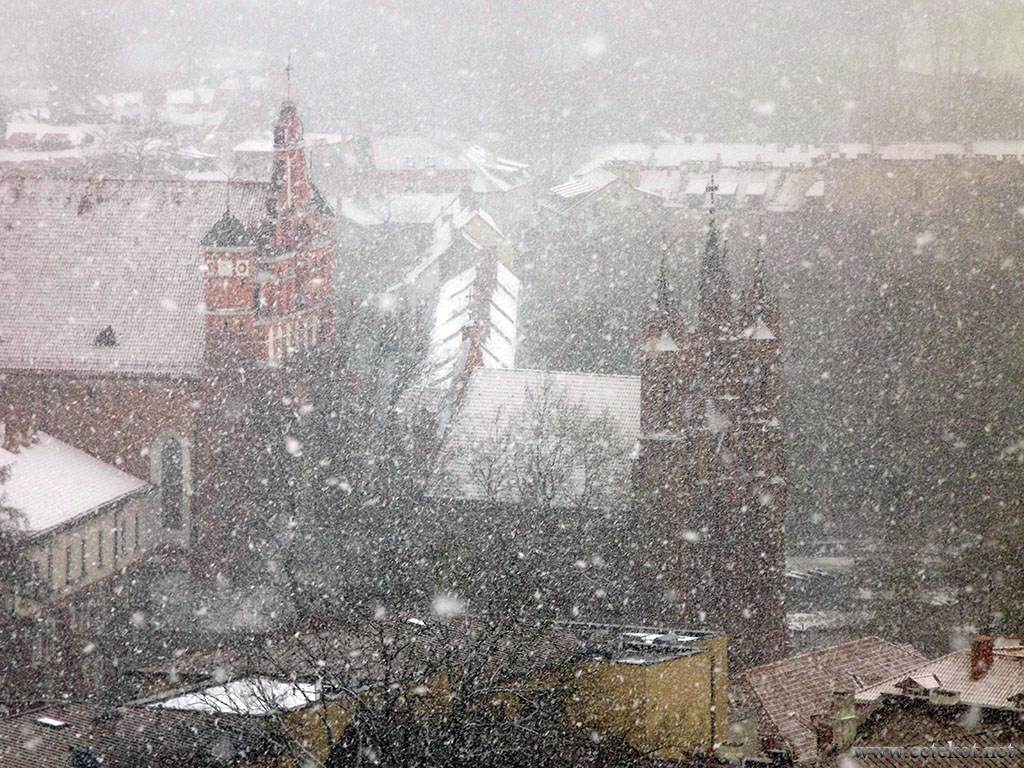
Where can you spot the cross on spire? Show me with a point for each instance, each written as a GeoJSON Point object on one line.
{"type": "Point", "coordinates": [288, 75]}
{"type": "Point", "coordinates": [712, 188]}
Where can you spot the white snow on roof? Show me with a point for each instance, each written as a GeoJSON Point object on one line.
{"type": "Point", "coordinates": [257, 696]}
{"type": "Point", "coordinates": [454, 314]}
{"type": "Point", "coordinates": [776, 155]}
{"type": "Point", "coordinates": [817, 189]}
{"type": "Point", "coordinates": [52, 482]}
{"type": "Point", "coordinates": [998, 148]}
{"type": "Point", "coordinates": [586, 184]}
{"type": "Point", "coordinates": [255, 145]}
{"type": "Point", "coordinates": [697, 185]}
{"type": "Point", "coordinates": [414, 153]}
{"type": "Point", "coordinates": [180, 96]}
{"type": "Point", "coordinates": [756, 188]}
{"type": "Point", "coordinates": [410, 207]}
{"type": "Point", "coordinates": [921, 151]}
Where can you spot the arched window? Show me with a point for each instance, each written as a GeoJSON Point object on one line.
{"type": "Point", "coordinates": [172, 484]}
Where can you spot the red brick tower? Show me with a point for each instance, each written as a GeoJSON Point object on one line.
{"type": "Point", "coordinates": [711, 471]}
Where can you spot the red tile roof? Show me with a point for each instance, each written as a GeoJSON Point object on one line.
{"type": "Point", "coordinates": [1004, 679]}
{"type": "Point", "coordinates": [80, 254]}
{"type": "Point", "coordinates": [792, 691]}
{"type": "Point", "coordinates": [126, 737]}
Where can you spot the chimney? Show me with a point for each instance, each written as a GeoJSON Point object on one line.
{"type": "Point", "coordinates": [15, 435]}
{"type": "Point", "coordinates": [844, 719]}
{"type": "Point", "coordinates": [981, 656]}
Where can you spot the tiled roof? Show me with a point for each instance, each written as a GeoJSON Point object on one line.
{"type": "Point", "coordinates": [498, 403]}
{"type": "Point", "coordinates": [78, 255]}
{"type": "Point", "coordinates": [126, 737]}
{"type": "Point", "coordinates": [790, 692]}
{"type": "Point", "coordinates": [52, 482]}
{"type": "Point", "coordinates": [1005, 678]}
{"type": "Point", "coordinates": [906, 723]}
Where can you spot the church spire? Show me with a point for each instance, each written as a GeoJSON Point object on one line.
{"type": "Point", "coordinates": [760, 280]}
{"type": "Point", "coordinates": [714, 282]}
{"type": "Point", "coordinates": [664, 294]}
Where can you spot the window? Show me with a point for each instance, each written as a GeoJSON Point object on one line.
{"type": "Point", "coordinates": [124, 535]}
{"type": "Point", "coordinates": [115, 542]}
{"type": "Point", "coordinates": [135, 545]}
{"type": "Point", "coordinates": [99, 548]}
{"type": "Point", "coordinates": [67, 565]}
{"type": "Point", "coordinates": [172, 484]}
{"type": "Point", "coordinates": [84, 569]}
{"type": "Point", "coordinates": [49, 568]}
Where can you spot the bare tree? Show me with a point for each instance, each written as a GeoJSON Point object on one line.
{"type": "Point", "coordinates": [557, 454]}
{"type": "Point", "coordinates": [451, 690]}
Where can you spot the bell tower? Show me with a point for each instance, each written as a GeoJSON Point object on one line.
{"type": "Point", "coordinates": [229, 288]}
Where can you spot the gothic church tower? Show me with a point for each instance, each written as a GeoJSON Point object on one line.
{"type": "Point", "coordinates": [711, 473]}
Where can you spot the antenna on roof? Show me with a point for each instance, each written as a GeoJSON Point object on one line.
{"type": "Point", "coordinates": [288, 76]}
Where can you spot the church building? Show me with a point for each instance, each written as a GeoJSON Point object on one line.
{"type": "Point", "coordinates": [140, 318]}
{"type": "Point", "coordinates": [662, 494]}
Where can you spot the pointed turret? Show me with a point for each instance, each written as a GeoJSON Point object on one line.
{"type": "Point", "coordinates": [666, 374]}
{"type": "Point", "coordinates": [715, 296]}
{"type": "Point", "coordinates": [290, 179]}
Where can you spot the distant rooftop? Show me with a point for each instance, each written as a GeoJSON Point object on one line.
{"type": "Point", "coordinates": [624, 644]}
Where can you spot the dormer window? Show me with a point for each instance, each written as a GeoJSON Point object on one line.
{"type": "Point", "coordinates": [106, 338]}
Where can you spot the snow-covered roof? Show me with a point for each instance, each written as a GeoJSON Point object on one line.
{"type": "Point", "coordinates": [265, 144]}
{"type": "Point", "coordinates": [494, 172]}
{"type": "Point", "coordinates": [921, 151]}
{"type": "Point", "coordinates": [81, 254]}
{"type": "Point", "coordinates": [52, 483]}
{"type": "Point", "coordinates": [180, 96]}
{"type": "Point", "coordinates": [998, 148]}
{"type": "Point", "coordinates": [73, 134]}
{"type": "Point", "coordinates": [585, 184]}
{"type": "Point", "coordinates": [697, 185]}
{"type": "Point", "coordinates": [414, 153]}
{"type": "Point", "coordinates": [255, 696]}
{"type": "Point", "coordinates": [776, 155]}
{"type": "Point", "coordinates": [456, 299]}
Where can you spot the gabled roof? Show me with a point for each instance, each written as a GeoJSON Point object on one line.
{"type": "Point", "coordinates": [792, 691]}
{"type": "Point", "coordinates": [1004, 679]}
{"type": "Point", "coordinates": [453, 316]}
{"type": "Point", "coordinates": [81, 254]}
{"type": "Point", "coordinates": [52, 483]}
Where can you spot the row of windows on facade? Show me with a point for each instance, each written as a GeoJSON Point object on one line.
{"type": "Point", "coordinates": [78, 553]}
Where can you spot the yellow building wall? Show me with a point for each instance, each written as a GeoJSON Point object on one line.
{"type": "Point", "coordinates": [306, 727]}
{"type": "Point", "coordinates": [672, 707]}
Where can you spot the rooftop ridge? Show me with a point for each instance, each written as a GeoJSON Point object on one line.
{"type": "Point", "coordinates": [549, 372]}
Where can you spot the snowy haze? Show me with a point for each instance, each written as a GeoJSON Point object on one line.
{"type": "Point", "coordinates": [566, 73]}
